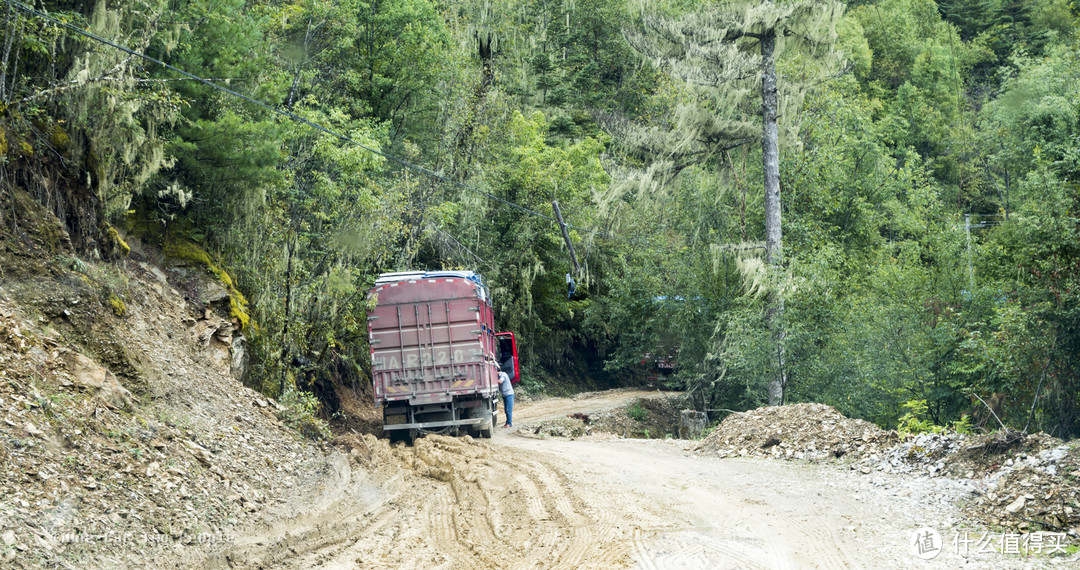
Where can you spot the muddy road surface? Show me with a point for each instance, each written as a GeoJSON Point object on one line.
{"type": "Point", "coordinates": [517, 501]}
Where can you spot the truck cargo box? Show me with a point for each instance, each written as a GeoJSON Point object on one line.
{"type": "Point", "coordinates": [435, 357]}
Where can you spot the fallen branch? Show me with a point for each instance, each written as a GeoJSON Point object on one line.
{"type": "Point", "coordinates": [991, 411]}
{"type": "Point", "coordinates": [1053, 526]}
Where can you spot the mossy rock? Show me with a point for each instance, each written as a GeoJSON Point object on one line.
{"type": "Point", "coordinates": [113, 245]}
{"type": "Point", "coordinates": [117, 305]}
{"type": "Point", "coordinates": [187, 250]}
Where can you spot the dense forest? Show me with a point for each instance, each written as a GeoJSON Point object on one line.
{"type": "Point", "coordinates": [871, 205]}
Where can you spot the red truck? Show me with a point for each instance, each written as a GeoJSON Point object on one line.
{"type": "Point", "coordinates": [435, 355]}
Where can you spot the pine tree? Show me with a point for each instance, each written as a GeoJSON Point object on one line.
{"type": "Point", "coordinates": [544, 70]}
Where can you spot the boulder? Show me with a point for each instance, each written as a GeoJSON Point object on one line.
{"type": "Point", "coordinates": [97, 380]}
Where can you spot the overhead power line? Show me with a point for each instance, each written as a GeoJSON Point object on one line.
{"type": "Point", "coordinates": [288, 114]}
{"type": "Point", "coordinates": [297, 118]}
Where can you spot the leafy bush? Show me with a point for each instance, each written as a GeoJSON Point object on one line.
{"type": "Point", "coordinates": [638, 412]}
{"type": "Point", "coordinates": [915, 420]}
{"type": "Point", "coordinates": [300, 413]}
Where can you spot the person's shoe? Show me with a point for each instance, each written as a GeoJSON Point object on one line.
{"type": "Point", "coordinates": [507, 425]}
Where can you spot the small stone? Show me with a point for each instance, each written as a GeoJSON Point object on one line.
{"type": "Point", "coordinates": [8, 538]}
{"type": "Point", "coordinates": [1015, 505]}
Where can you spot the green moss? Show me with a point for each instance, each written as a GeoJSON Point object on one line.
{"type": "Point", "coordinates": [187, 250]}
{"type": "Point", "coordinates": [59, 139]}
{"type": "Point", "coordinates": [118, 306]}
{"type": "Point", "coordinates": [236, 308]}
{"type": "Point", "coordinates": [115, 237]}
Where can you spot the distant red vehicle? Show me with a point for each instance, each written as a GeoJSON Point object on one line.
{"type": "Point", "coordinates": [658, 365]}
{"type": "Point", "coordinates": [435, 354]}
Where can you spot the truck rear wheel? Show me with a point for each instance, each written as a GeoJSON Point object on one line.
{"type": "Point", "coordinates": [404, 435]}
{"type": "Point", "coordinates": [484, 429]}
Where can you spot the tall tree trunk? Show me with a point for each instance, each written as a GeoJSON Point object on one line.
{"type": "Point", "coordinates": [284, 358]}
{"type": "Point", "coordinates": [770, 154]}
{"type": "Point", "coordinates": [770, 148]}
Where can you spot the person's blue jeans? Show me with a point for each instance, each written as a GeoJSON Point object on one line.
{"type": "Point", "coordinates": [508, 402]}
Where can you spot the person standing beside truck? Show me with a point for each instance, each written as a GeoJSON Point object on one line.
{"type": "Point", "coordinates": [507, 390]}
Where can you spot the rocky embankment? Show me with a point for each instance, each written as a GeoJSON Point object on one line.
{"type": "Point", "coordinates": [125, 436]}
{"type": "Point", "coordinates": [1004, 479]}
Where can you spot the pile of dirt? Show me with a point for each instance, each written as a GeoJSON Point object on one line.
{"type": "Point", "coordinates": [643, 418]}
{"type": "Point", "coordinates": [124, 436]}
{"type": "Point", "coordinates": [922, 454]}
{"type": "Point", "coordinates": [958, 455]}
{"type": "Point", "coordinates": [1023, 483]}
{"type": "Point", "coordinates": [1032, 492]}
{"type": "Point", "coordinates": [571, 427]}
{"type": "Point", "coordinates": [798, 431]}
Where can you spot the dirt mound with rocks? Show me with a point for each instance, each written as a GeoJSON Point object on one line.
{"type": "Point", "coordinates": [1024, 482]}
{"type": "Point", "coordinates": [1019, 482]}
{"type": "Point", "coordinates": [1033, 492]}
{"type": "Point", "coordinates": [643, 418]}
{"type": "Point", "coordinates": [798, 431]}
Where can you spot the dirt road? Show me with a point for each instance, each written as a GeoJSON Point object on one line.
{"type": "Point", "coordinates": [520, 502]}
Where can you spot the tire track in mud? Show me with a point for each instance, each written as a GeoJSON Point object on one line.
{"type": "Point", "coordinates": [444, 503]}
{"type": "Point", "coordinates": [522, 502]}
{"type": "Point", "coordinates": [535, 499]}
{"type": "Point", "coordinates": [587, 532]}
{"type": "Point", "coordinates": [684, 519]}
{"type": "Point", "coordinates": [461, 503]}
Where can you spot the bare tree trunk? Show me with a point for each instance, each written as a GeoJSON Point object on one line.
{"type": "Point", "coordinates": [288, 315]}
{"type": "Point", "coordinates": [770, 151]}
{"type": "Point", "coordinates": [770, 154]}
{"type": "Point", "coordinates": [299, 66]}
{"type": "Point", "coordinates": [9, 33]}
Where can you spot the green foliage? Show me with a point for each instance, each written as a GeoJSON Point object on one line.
{"type": "Point", "coordinates": [301, 413]}
{"type": "Point", "coordinates": [639, 413]}
{"type": "Point", "coordinates": [914, 421]}
{"type": "Point", "coordinates": [963, 425]}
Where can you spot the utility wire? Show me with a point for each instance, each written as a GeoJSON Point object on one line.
{"type": "Point", "coordinates": [297, 118]}
{"type": "Point", "coordinates": [288, 114]}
